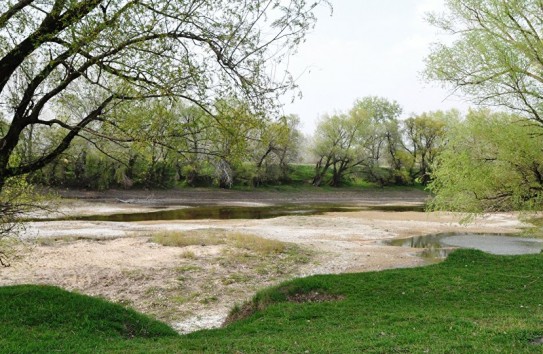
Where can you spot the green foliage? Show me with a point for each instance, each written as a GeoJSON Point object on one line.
{"type": "Point", "coordinates": [17, 198]}
{"type": "Point", "coordinates": [301, 173]}
{"type": "Point", "coordinates": [495, 53]}
{"type": "Point", "coordinates": [279, 146]}
{"type": "Point", "coordinates": [110, 73]}
{"type": "Point", "coordinates": [161, 144]}
{"type": "Point", "coordinates": [370, 142]}
{"type": "Point", "coordinates": [472, 302]}
{"type": "Point", "coordinates": [169, 143]}
{"type": "Point", "coordinates": [492, 162]}
{"type": "Point", "coordinates": [494, 58]}
{"type": "Point", "coordinates": [425, 137]}
{"type": "Point", "coordinates": [165, 144]}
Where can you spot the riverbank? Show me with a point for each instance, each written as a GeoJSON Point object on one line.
{"type": "Point", "coordinates": [263, 196]}
{"type": "Point", "coordinates": [195, 286]}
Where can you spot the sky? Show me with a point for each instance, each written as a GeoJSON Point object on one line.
{"type": "Point", "coordinates": [368, 48]}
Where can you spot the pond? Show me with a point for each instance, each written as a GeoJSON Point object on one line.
{"type": "Point", "coordinates": [221, 212]}
{"type": "Point", "coordinates": [440, 245]}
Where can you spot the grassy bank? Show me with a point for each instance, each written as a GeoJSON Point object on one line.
{"type": "Point", "coordinates": [471, 303]}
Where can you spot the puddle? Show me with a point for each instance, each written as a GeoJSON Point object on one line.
{"type": "Point", "coordinates": [234, 212]}
{"type": "Point", "coordinates": [440, 245]}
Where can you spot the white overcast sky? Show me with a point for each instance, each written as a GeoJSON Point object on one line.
{"type": "Point", "coordinates": [367, 47]}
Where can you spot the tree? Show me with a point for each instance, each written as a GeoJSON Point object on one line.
{"type": "Point", "coordinates": [379, 137]}
{"type": "Point", "coordinates": [101, 55]}
{"type": "Point", "coordinates": [491, 162]}
{"type": "Point", "coordinates": [425, 138]}
{"type": "Point", "coordinates": [236, 127]}
{"type": "Point", "coordinates": [276, 146]}
{"type": "Point", "coordinates": [359, 138]}
{"type": "Point", "coordinates": [336, 145]}
{"type": "Point", "coordinates": [497, 53]}
{"type": "Point", "coordinates": [16, 198]}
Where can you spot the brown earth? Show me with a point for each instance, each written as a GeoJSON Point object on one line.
{"type": "Point", "coordinates": [199, 196]}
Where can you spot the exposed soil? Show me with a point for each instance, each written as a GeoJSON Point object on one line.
{"type": "Point", "coordinates": [199, 196]}
{"type": "Point", "coordinates": [194, 287]}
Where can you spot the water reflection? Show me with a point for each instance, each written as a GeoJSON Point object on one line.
{"type": "Point", "coordinates": [217, 212]}
{"type": "Point", "coordinates": [222, 212]}
{"type": "Point", "coordinates": [440, 245]}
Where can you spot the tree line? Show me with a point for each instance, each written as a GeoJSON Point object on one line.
{"type": "Point", "coordinates": [164, 143]}
{"type": "Point", "coordinates": [167, 143]}
{"type": "Point", "coordinates": [372, 142]}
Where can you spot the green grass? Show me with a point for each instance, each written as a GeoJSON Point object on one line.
{"type": "Point", "coordinates": [471, 303]}
{"type": "Point", "coordinates": [47, 319]}
{"type": "Point", "coordinates": [301, 173]}
{"type": "Point", "coordinates": [300, 178]}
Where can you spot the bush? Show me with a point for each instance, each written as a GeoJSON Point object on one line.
{"type": "Point", "coordinates": [17, 197]}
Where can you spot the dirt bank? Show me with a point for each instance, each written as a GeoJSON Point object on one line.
{"type": "Point", "coordinates": [207, 196]}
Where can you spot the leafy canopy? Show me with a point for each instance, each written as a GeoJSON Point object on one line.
{"type": "Point", "coordinates": [96, 55]}
{"type": "Point", "coordinates": [496, 53]}
{"type": "Point", "coordinates": [492, 162]}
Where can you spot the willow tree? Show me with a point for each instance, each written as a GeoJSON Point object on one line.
{"type": "Point", "coordinates": [102, 54]}
{"type": "Point", "coordinates": [343, 142]}
{"type": "Point", "coordinates": [495, 55]}
{"type": "Point", "coordinates": [491, 162]}
{"type": "Point", "coordinates": [425, 136]}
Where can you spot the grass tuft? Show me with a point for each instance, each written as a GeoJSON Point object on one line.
{"type": "Point", "coordinates": [209, 237]}
{"type": "Point", "coordinates": [187, 238]}
{"type": "Point", "coordinates": [256, 244]}
{"type": "Point", "coordinates": [189, 255]}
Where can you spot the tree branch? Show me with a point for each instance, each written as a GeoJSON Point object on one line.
{"type": "Point", "coordinates": [12, 11]}
{"type": "Point", "coordinates": [64, 144]}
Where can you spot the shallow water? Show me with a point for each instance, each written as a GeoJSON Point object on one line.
{"type": "Point", "coordinates": [237, 212]}
{"type": "Point", "coordinates": [440, 245]}
{"type": "Point", "coordinates": [214, 212]}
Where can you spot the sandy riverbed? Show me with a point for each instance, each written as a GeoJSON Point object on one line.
{"type": "Point", "coordinates": [194, 287]}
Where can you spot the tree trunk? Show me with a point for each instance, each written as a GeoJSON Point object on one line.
{"type": "Point", "coordinates": [337, 174]}
{"type": "Point", "coordinates": [320, 171]}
